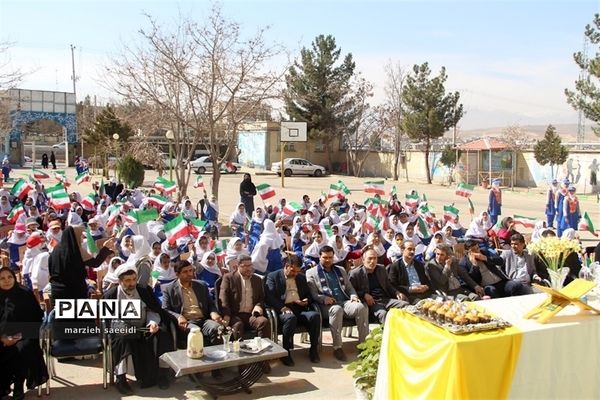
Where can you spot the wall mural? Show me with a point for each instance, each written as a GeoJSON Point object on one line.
{"type": "Point", "coordinates": [581, 169]}
{"type": "Point", "coordinates": [252, 145]}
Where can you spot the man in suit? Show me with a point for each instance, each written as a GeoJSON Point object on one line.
{"type": "Point", "coordinates": [288, 294]}
{"type": "Point", "coordinates": [407, 275]}
{"type": "Point", "coordinates": [241, 300]}
{"type": "Point", "coordinates": [446, 276]}
{"type": "Point", "coordinates": [188, 302]}
{"type": "Point", "coordinates": [486, 270]}
{"type": "Point", "coordinates": [371, 283]}
{"type": "Point", "coordinates": [331, 289]}
{"type": "Point", "coordinates": [141, 348]}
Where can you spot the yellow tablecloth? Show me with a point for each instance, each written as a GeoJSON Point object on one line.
{"type": "Point", "coordinates": [427, 362]}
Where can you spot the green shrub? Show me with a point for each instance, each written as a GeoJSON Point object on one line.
{"type": "Point", "coordinates": [365, 367]}
{"type": "Point", "coordinates": [131, 171]}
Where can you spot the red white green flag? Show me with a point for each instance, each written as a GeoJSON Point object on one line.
{"type": "Point", "coordinates": [91, 243]}
{"type": "Point", "coordinates": [450, 213]}
{"type": "Point", "coordinates": [196, 226]}
{"type": "Point", "coordinates": [423, 229]}
{"type": "Point", "coordinates": [376, 187]}
{"type": "Point", "coordinates": [394, 191]}
{"type": "Point", "coordinates": [59, 187]}
{"type": "Point", "coordinates": [89, 202]}
{"type": "Point", "coordinates": [471, 206]}
{"type": "Point", "coordinates": [464, 189]}
{"type": "Point", "coordinates": [229, 167]}
{"type": "Point", "coordinates": [21, 188]}
{"type": "Point", "coordinates": [411, 200]}
{"type": "Point", "coordinates": [292, 208]}
{"type": "Point", "coordinates": [16, 213]}
{"type": "Point", "coordinates": [176, 228]}
{"type": "Point", "coordinates": [157, 201]}
{"type": "Point", "coordinates": [199, 182]}
{"type": "Point", "coordinates": [60, 200]}
{"type": "Point", "coordinates": [335, 190]}
{"type": "Point", "coordinates": [371, 223]}
{"type": "Point", "coordinates": [83, 177]}
{"type": "Point", "coordinates": [344, 188]}
{"type": "Point", "coordinates": [37, 174]}
{"type": "Point", "coordinates": [527, 222]}
{"type": "Point", "coordinates": [165, 186]}
{"type": "Point", "coordinates": [493, 231]}
{"type": "Point", "coordinates": [586, 224]}
{"type": "Point", "coordinates": [220, 249]}
{"type": "Point", "coordinates": [265, 191]}
{"type": "Point", "coordinates": [61, 177]}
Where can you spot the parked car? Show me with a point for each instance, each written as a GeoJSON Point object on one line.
{"type": "Point", "coordinates": [298, 166]}
{"type": "Point", "coordinates": [204, 164]}
{"type": "Point", "coordinates": [60, 145]}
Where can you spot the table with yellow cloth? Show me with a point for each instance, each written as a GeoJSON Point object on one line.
{"type": "Point", "coordinates": [559, 359]}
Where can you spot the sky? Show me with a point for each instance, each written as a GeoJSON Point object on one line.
{"type": "Point", "coordinates": [510, 60]}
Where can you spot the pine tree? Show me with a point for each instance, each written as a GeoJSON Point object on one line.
{"type": "Point", "coordinates": [318, 90]}
{"type": "Point", "coordinates": [549, 150]}
{"type": "Point", "coordinates": [429, 111]}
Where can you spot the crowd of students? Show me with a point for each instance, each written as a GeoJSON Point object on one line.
{"type": "Point", "coordinates": [327, 255]}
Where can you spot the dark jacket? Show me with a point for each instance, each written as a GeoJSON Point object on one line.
{"type": "Point", "coordinates": [147, 297]}
{"type": "Point", "coordinates": [172, 299]}
{"type": "Point", "coordinates": [398, 276]}
{"type": "Point", "coordinates": [493, 263]}
{"type": "Point", "coordinates": [360, 280]}
{"type": "Point", "coordinates": [440, 280]}
{"type": "Point", "coordinates": [230, 293]}
{"type": "Point", "coordinates": [275, 289]}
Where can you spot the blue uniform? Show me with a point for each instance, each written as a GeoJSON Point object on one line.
{"type": "Point", "coordinates": [550, 208]}
{"type": "Point", "coordinates": [495, 206]}
{"type": "Point", "coordinates": [571, 213]}
{"type": "Point", "coordinates": [560, 198]}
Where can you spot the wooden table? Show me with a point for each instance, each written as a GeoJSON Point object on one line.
{"type": "Point", "coordinates": [250, 367]}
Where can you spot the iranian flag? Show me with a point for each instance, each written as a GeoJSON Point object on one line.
{"type": "Point", "coordinates": [292, 208]}
{"type": "Point", "coordinates": [450, 213]}
{"type": "Point", "coordinates": [586, 224]}
{"type": "Point", "coordinates": [425, 212]}
{"type": "Point", "coordinates": [493, 231]}
{"type": "Point", "coordinates": [376, 187]}
{"type": "Point", "coordinates": [196, 226]}
{"type": "Point", "coordinates": [112, 216]}
{"type": "Point", "coordinates": [53, 189]}
{"type": "Point", "coordinates": [465, 190]}
{"type": "Point", "coordinates": [61, 177]}
{"type": "Point", "coordinates": [142, 216]}
{"type": "Point", "coordinates": [21, 188]}
{"type": "Point", "coordinates": [325, 227]}
{"type": "Point", "coordinates": [199, 182]}
{"type": "Point", "coordinates": [371, 224]}
{"type": "Point", "coordinates": [91, 243]}
{"type": "Point", "coordinates": [372, 204]}
{"type": "Point", "coordinates": [165, 186]}
{"type": "Point", "coordinates": [265, 191]}
{"type": "Point", "coordinates": [157, 201]}
{"type": "Point", "coordinates": [89, 202]}
{"type": "Point", "coordinates": [394, 191]}
{"type": "Point", "coordinates": [471, 207]}
{"type": "Point", "coordinates": [83, 177]}
{"type": "Point", "coordinates": [60, 200]}
{"type": "Point", "coordinates": [527, 222]}
{"type": "Point", "coordinates": [344, 188]}
{"type": "Point", "coordinates": [335, 190]}
{"type": "Point", "coordinates": [176, 228]}
{"type": "Point", "coordinates": [423, 229]}
{"type": "Point", "coordinates": [37, 174]}
{"type": "Point", "coordinates": [16, 213]}
{"type": "Point", "coordinates": [229, 167]}
{"type": "Point", "coordinates": [411, 200]}
{"type": "Point", "coordinates": [220, 249]}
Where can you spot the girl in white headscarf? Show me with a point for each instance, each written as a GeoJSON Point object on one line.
{"type": "Point", "coordinates": [312, 252]}
{"type": "Point", "coordinates": [569, 234]}
{"type": "Point", "coordinates": [374, 241]}
{"type": "Point", "coordinates": [74, 217]}
{"type": "Point", "coordinates": [201, 245]}
{"type": "Point", "coordinates": [170, 247]}
{"type": "Point", "coordinates": [438, 238]}
{"type": "Point", "coordinates": [162, 274]}
{"type": "Point", "coordinates": [110, 279]}
{"type": "Point", "coordinates": [235, 248]}
{"type": "Point", "coordinates": [209, 270]}
{"type": "Point", "coordinates": [266, 256]}
{"type": "Point", "coordinates": [5, 206]}
{"type": "Point", "coordinates": [449, 239]}
{"type": "Point", "coordinates": [339, 252]}
{"type": "Point", "coordinates": [395, 224]}
{"type": "Point", "coordinates": [395, 251]}
{"type": "Point", "coordinates": [540, 226]}
{"type": "Point", "coordinates": [239, 216]}
{"type": "Point", "coordinates": [188, 211]}
{"type": "Point", "coordinates": [478, 229]}
{"type": "Point", "coordinates": [139, 258]}
{"type": "Point", "coordinates": [155, 252]}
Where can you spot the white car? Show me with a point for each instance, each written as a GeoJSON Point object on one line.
{"type": "Point", "coordinates": [60, 145]}
{"type": "Point", "coordinates": [298, 166]}
{"type": "Point", "coordinates": [204, 164]}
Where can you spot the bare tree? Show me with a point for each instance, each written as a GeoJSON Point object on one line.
{"type": "Point", "coordinates": [198, 75]}
{"type": "Point", "coordinates": [10, 76]}
{"type": "Point", "coordinates": [394, 85]}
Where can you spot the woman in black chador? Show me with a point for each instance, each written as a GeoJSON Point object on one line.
{"type": "Point", "coordinates": [45, 161]}
{"type": "Point", "coordinates": [247, 193]}
{"type": "Point", "coordinates": [21, 358]}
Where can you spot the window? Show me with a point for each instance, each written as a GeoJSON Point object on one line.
{"type": "Point", "coordinates": [288, 147]}
{"type": "Point", "coordinates": [320, 146]}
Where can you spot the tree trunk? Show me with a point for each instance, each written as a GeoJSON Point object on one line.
{"type": "Point", "coordinates": [427, 162]}
{"type": "Point", "coordinates": [328, 149]}
{"type": "Point", "coordinates": [396, 154]}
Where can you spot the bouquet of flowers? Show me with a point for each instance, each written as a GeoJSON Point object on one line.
{"type": "Point", "coordinates": [553, 252]}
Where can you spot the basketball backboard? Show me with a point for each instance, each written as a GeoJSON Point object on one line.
{"type": "Point", "coordinates": [293, 132]}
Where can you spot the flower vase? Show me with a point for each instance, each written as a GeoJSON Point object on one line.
{"type": "Point", "coordinates": [557, 278]}
{"type": "Point", "coordinates": [226, 342]}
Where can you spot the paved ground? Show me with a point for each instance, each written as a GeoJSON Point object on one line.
{"type": "Point", "coordinates": [82, 379]}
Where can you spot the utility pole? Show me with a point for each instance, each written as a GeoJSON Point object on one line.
{"type": "Point", "coordinates": [74, 78]}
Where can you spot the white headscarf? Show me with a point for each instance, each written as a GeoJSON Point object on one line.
{"type": "Point", "coordinates": [110, 276]}
{"type": "Point", "coordinates": [232, 252]}
{"type": "Point", "coordinates": [173, 253]}
{"type": "Point", "coordinates": [569, 234]}
{"type": "Point", "coordinates": [163, 274]}
{"type": "Point", "coordinates": [478, 228]}
{"type": "Point", "coordinates": [210, 268]}
{"type": "Point", "coordinates": [141, 248]}
{"type": "Point", "coordinates": [269, 239]}
{"type": "Point", "coordinates": [537, 231]}
{"type": "Point", "coordinates": [339, 253]}
{"type": "Point", "coordinates": [380, 250]}
{"type": "Point", "coordinates": [238, 217]}
{"type": "Point", "coordinates": [256, 218]}
{"type": "Point", "coordinates": [394, 252]}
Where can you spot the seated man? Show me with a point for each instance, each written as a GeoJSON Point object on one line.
{"type": "Point", "coordinates": [187, 300]}
{"type": "Point", "coordinates": [519, 265]}
{"type": "Point", "coordinates": [446, 276]}
{"type": "Point", "coordinates": [371, 283]}
{"type": "Point", "coordinates": [331, 289]}
{"type": "Point", "coordinates": [288, 294]}
{"type": "Point", "coordinates": [407, 275]}
{"type": "Point", "coordinates": [486, 270]}
{"type": "Point", "coordinates": [139, 346]}
{"type": "Point", "coordinates": [241, 300]}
